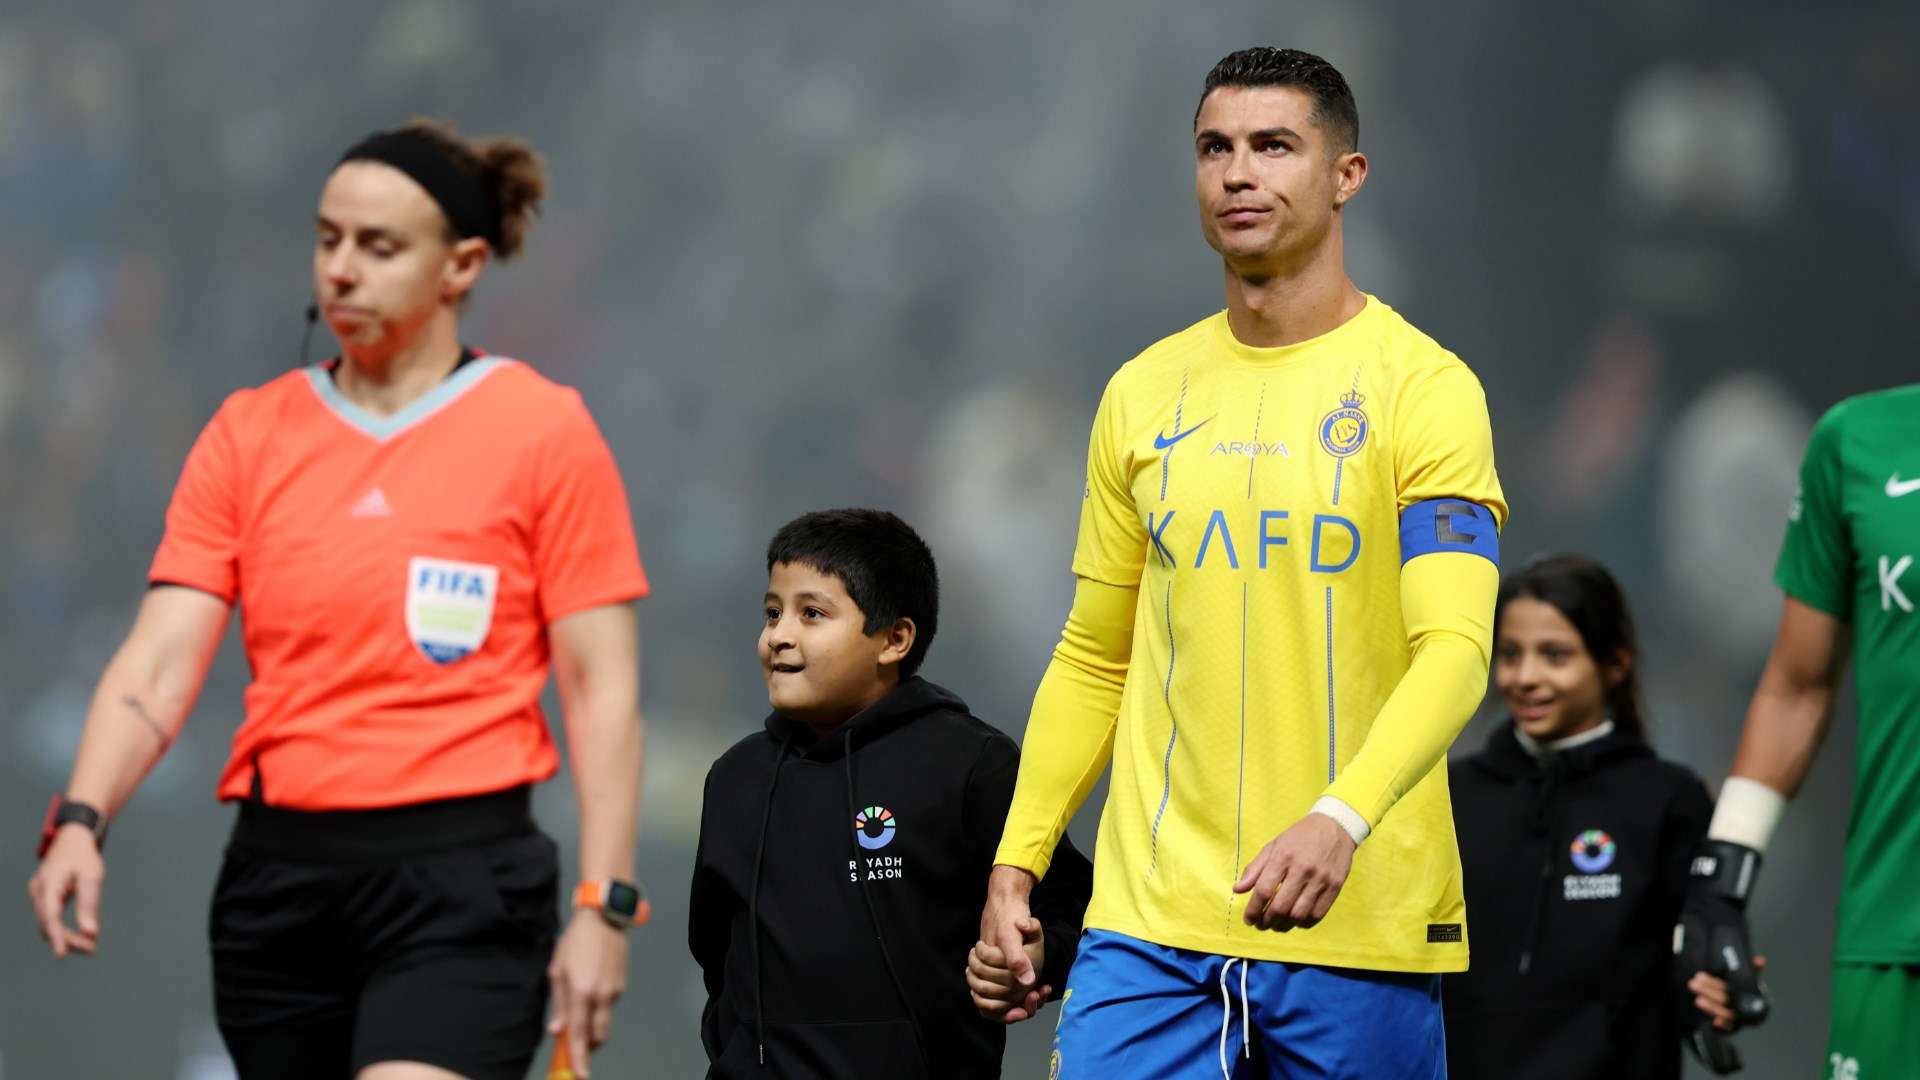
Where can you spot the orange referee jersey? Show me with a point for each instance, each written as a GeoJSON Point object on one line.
{"type": "Point", "coordinates": [396, 575]}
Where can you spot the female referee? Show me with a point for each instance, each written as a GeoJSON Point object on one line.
{"type": "Point", "coordinates": [413, 532]}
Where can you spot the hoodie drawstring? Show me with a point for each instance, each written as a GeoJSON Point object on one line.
{"type": "Point", "coordinates": [1226, 1015]}
{"type": "Point", "coordinates": [753, 906]}
{"type": "Point", "coordinates": [873, 915]}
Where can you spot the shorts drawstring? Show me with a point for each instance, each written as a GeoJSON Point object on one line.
{"type": "Point", "coordinates": [1226, 1015]}
{"type": "Point", "coordinates": [1246, 1014]}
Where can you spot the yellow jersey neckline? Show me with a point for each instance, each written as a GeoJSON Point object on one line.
{"type": "Point", "coordinates": [1283, 354]}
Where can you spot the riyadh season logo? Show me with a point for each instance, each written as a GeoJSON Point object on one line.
{"type": "Point", "coordinates": [874, 827]}
{"type": "Point", "coordinates": [1592, 851]}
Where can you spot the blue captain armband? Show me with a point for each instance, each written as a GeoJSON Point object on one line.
{"type": "Point", "coordinates": [1432, 525]}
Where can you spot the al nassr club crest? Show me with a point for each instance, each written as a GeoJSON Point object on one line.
{"type": "Point", "coordinates": [1344, 430]}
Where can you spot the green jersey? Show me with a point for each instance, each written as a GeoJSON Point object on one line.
{"type": "Point", "coordinates": [1853, 551]}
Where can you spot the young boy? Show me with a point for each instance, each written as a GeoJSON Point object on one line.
{"type": "Point", "coordinates": [844, 850]}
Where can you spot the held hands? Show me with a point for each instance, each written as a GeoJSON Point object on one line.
{"type": "Point", "coordinates": [1709, 1030]}
{"type": "Point", "coordinates": [1712, 997]}
{"type": "Point", "coordinates": [1003, 928]}
{"type": "Point", "coordinates": [588, 974]}
{"type": "Point", "coordinates": [996, 993]}
{"type": "Point", "coordinates": [73, 869]}
{"type": "Point", "coordinates": [1298, 875]}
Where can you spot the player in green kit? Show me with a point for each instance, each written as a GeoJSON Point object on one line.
{"type": "Point", "coordinates": [1849, 568]}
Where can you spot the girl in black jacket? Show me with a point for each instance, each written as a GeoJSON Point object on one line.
{"type": "Point", "coordinates": [1574, 841]}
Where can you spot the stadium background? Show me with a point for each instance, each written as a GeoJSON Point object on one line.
{"type": "Point", "coordinates": [809, 255]}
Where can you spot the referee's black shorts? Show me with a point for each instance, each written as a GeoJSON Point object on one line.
{"type": "Point", "coordinates": [418, 933]}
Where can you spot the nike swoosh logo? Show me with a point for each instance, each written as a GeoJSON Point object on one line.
{"type": "Point", "coordinates": [1161, 442]}
{"type": "Point", "coordinates": [1897, 487]}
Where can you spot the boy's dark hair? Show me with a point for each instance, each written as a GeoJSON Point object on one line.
{"type": "Point", "coordinates": [884, 565]}
{"type": "Point", "coordinates": [1333, 107]}
{"type": "Point", "coordinates": [1582, 590]}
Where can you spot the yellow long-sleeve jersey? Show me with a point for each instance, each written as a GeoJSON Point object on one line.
{"type": "Point", "coordinates": [1296, 549]}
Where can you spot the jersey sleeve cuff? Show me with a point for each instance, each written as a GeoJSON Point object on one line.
{"type": "Point", "coordinates": [1348, 818]}
{"type": "Point", "coordinates": [635, 589]}
{"type": "Point", "coordinates": [214, 582]}
{"type": "Point", "coordinates": [1024, 858]}
{"type": "Point", "coordinates": [1827, 603]}
{"type": "Point", "coordinates": [1120, 577]}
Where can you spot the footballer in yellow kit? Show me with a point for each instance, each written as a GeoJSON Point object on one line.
{"type": "Point", "coordinates": [1286, 568]}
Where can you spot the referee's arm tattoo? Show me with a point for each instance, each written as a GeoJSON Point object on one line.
{"type": "Point", "coordinates": [140, 711]}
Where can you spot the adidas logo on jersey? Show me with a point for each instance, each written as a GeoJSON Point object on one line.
{"type": "Point", "coordinates": [372, 504]}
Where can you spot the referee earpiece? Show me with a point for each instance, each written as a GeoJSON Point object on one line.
{"type": "Point", "coordinates": [306, 336]}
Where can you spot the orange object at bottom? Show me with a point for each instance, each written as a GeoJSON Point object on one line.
{"type": "Point", "coordinates": [562, 1067]}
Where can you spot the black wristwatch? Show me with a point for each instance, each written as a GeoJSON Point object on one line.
{"type": "Point", "coordinates": [64, 811]}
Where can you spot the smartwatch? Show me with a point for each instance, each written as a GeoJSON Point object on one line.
{"type": "Point", "coordinates": [64, 811]}
{"type": "Point", "coordinates": [621, 903]}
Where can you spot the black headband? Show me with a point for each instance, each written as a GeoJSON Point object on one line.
{"type": "Point", "coordinates": [467, 201]}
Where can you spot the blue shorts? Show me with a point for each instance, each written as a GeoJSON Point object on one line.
{"type": "Point", "coordinates": [1136, 1009]}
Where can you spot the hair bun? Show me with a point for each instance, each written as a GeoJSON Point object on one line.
{"type": "Point", "coordinates": [519, 182]}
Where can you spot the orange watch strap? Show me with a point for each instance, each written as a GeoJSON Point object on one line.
{"type": "Point", "coordinates": [593, 894]}
{"type": "Point", "coordinates": [590, 894]}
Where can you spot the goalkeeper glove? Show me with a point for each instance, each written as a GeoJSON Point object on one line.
{"type": "Point", "coordinates": [1712, 937]}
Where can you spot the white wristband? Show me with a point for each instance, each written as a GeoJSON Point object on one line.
{"type": "Point", "coordinates": [1746, 814]}
{"type": "Point", "coordinates": [1347, 816]}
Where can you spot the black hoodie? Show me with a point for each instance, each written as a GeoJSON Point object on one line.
{"type": "Point", "coordinates": [864, 855]}
{"type": "Point", "coordinates": [1572, 939]}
